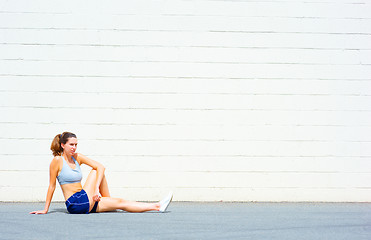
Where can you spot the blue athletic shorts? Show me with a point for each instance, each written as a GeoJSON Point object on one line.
{"type": "Point", "coordinates": [78, 203]}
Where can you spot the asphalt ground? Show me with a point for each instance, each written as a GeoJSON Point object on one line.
{"type": "Point", "coordinates": [193, 220]}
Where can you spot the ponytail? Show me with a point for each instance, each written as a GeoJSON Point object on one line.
{"type": "Point", "coordinates": [56, 146]}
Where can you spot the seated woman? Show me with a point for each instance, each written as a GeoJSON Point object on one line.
{"type": "Point", "coordinates": [94, 196]}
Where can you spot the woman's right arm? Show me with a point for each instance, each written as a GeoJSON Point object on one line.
{"type": "Point", "coordinates": [53, 171]}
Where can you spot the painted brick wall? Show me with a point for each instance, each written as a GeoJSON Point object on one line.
{"type": "Point", "coordinates": [216, 100]}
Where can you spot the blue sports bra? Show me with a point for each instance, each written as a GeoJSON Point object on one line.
{"type": "Point", "coordinates": [69, 175]}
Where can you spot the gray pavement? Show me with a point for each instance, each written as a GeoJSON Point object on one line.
{"type": "Point", "coordinates": [192, 220]}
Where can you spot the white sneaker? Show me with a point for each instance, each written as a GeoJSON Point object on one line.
{"type": "Point", "coordinates": [164, 203]}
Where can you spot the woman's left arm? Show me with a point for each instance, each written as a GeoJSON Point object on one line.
{"type": "Point", "coordinates": [96, 166]}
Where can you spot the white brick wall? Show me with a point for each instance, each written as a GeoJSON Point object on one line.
{"type": "Point", "coordinates": [216, 100]}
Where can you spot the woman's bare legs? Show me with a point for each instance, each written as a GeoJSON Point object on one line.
{"type": "Point", "coordinates": [103, 188]}
{"type": "Point", "coordinates": [90, 184]}
{"type": "Point", "coordinates": [107, 204]}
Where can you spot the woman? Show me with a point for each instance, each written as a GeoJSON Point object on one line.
{"type": "Point", "coordinates": [94, 196]}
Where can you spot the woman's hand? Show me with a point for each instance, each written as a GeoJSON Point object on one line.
{"type": "Point", "coordinates": [96, 197]}
{"type": "Point", "coordinates": [39, 212]}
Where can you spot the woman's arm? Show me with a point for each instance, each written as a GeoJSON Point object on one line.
{"type": "Point", "coordinates": [96, 166]}
{"type": "Point", "coordinates": [53, 171]}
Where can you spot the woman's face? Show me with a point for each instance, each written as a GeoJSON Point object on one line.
{"type": "Point", "coordinates": [70, 146]}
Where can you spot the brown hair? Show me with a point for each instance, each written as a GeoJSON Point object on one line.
{"type": "Point", "coordinates": [56, 146]}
